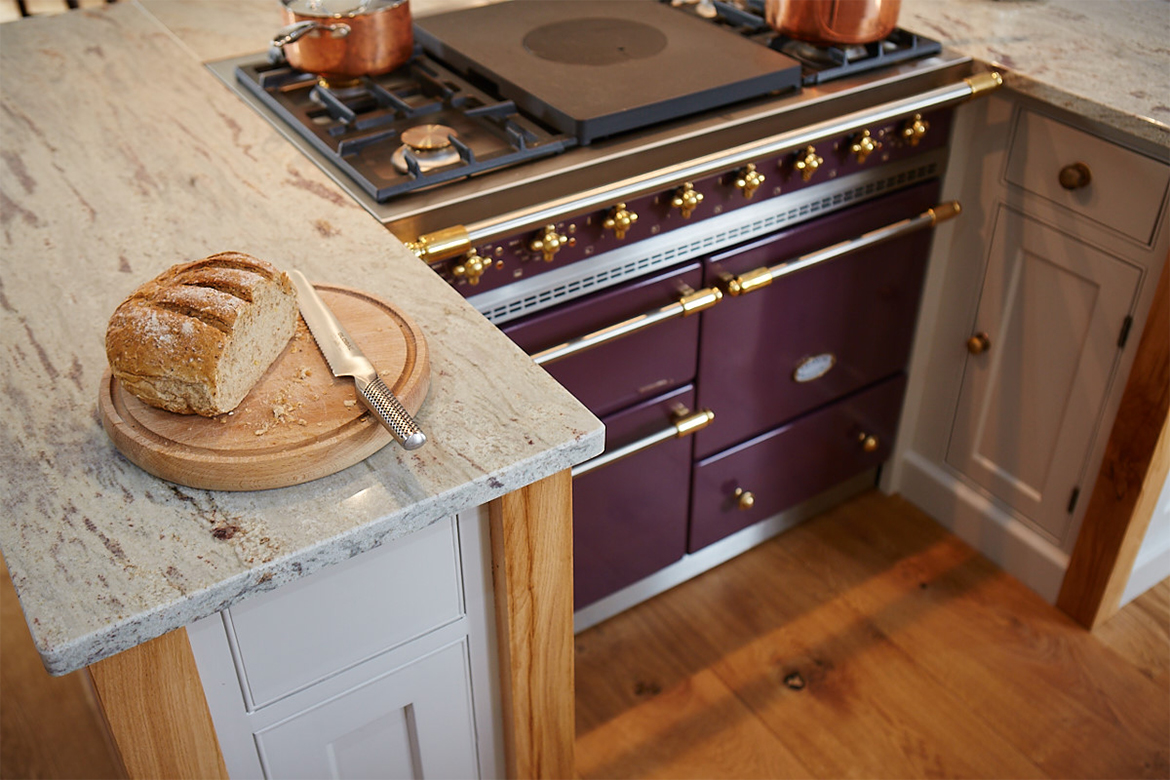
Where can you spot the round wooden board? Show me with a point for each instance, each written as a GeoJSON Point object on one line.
{"type": "Point", "coordinates": [299, 422]}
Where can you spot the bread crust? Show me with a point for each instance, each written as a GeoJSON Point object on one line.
{"type": "Point", "coordinates": [176, 342]}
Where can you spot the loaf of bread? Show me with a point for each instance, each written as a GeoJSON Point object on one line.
{"type": "Point", "coordinates": [198, 337]}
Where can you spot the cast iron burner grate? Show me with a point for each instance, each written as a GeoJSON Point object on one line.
{"type": "Point", "coordinates": [359, 128]}
{"type": "Point", "coordinates": [820, 64]}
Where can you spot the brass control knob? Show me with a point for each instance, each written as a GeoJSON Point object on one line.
{"type": "Point", "coordinates": [686, 199]}
{"type": "Point", "coordinates": [915, 129]}
{"type": "Point", "coordinates": [869, 442]}
{"type": "Point", "coordinates": [548, 242]}
{"type": "Point", "coordinates": [864, 145]}
{"type": "Point", "coordinates": [471, 267]}
{"type": "Point", "coordinates": [619, 220]}
{"type": "Point", "coordinates": [744, 500]}
{"type": "Point", "coordinates": [978, 344]}
{"type": "Point", "coordinates": [748, 180]}
{"type": "Point", "coordinates": [1075, 176]}
{"type": "Point", "coordinates": [807, 162]}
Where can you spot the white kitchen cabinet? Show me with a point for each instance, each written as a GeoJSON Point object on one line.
{"type": "Point", "coordinates": [1052, 310]}
{"type": "Point", "coordinates": [380, 667]}
{"type": "Point", "coordinates": [1003, 446]}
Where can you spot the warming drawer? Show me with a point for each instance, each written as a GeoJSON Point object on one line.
{"type": "Point", "coordinates": [630, 517]}
{"type": "Point", "coordinates": [629, 369]}
{"type": "Point", "coordinates": [773, 472]}
{"type": "Point", "coordinates": [816, 335]}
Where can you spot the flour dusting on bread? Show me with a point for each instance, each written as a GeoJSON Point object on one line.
{"type": "Point", "coordinates": [197, 338]}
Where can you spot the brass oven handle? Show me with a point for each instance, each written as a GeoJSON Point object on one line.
{"type": "Point", "coordinates": [761, 277]}
{"type": "Point", "coordinates": [438, 246]}
{"type": "Point", "coordinates": [685, 423]}
{"type": "Point", "coordinates": [689, 304]}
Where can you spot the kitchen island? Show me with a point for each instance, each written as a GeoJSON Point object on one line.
{"type": "Point", "coordinates": [123, 156]}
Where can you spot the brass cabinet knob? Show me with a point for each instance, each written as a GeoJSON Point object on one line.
{"type": "Point", "coordinates": [548, 242]}
{"type": "Point", "coordinates": [807, 162]}
{"type": "Point", "coordinates": [744, 500]}
{"type": "Point", "coordinates": [869, 442]}
{"type": "Point", "coordinates": [864, 145]}
{"type": "Point", "coordinates": [471, 267]}
{"type": "Point", "coordinates": [979, 343]}
{"type": "Point", "coordinates": [915, 129]}
{"type": "Point", "coordinates": [1075, 176]}
{"type": "Point", "coordinates": [686, 199]}
{"type": "Point", "coordinates": [748, 180]}
{"type": "Point", "coordinates": [619, 220]}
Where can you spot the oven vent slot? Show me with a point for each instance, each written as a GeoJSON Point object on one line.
{"type": "Point", "coordinates": [520, 299]}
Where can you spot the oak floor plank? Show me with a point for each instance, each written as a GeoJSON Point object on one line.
{"type": "Point", "coordinates": [1140, 633]}
{"type": "Point", "coordinates": [696, 729]}
{"type": "Point", "coordinates": [1046, 685]}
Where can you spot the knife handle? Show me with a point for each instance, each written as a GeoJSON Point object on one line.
{"type": "Point", "coordinates": [390, 412]}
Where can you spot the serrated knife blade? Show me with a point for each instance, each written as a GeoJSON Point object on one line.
{"type": "Point", "coordinates": [345, 359]}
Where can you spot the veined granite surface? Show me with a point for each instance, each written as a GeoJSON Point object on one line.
{"type": "Point", "coordinates": [120, 155]}
{"type": "Point", "coordinates": [1108, 60]}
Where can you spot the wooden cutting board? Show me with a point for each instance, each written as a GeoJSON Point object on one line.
{"type": "Point", "coordinates": [299, 422]}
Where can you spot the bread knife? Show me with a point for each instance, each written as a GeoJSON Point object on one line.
{"type": "Point", "coordinates": [345, 359]}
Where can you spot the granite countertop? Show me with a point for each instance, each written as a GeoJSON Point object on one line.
{"type": "Point", "coordinates": [1107, 60]}
{"type": "Point", "coordinates": [106, 179]}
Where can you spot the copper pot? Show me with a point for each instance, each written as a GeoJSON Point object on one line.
{"type": "Point", "coordinates": [832, 22]}
{"type": "Point", "coordinates": [341, 40]}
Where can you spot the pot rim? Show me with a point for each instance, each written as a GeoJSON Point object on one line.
{"type": "Point", "coordinates": [360, 8]}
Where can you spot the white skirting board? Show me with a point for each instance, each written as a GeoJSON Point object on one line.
{"type": "Point", "coordinates": [983, 524]}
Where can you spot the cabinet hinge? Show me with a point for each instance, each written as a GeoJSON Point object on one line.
{"type": "Point", "coordinates": [1124, 337]}
{"type": "Point", "coordinates": [1072, 500]}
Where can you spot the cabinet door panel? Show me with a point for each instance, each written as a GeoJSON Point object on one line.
{"type": "Point", "coordinates": [414, 722]}
{"type": "Point", "coordinates": [1030, 405]}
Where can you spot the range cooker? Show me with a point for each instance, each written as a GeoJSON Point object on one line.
{"type": "Point", "coordinates": [713, 236]}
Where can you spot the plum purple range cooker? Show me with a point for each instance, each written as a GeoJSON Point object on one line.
{"type": "Point", "coordinates": [715, 237]}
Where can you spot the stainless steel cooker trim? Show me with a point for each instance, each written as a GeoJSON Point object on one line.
{"type": "Point", "coordinates": [684, 424]}
{"type": "Point", "coordinates": [671, 176]}
{"type": "Point", "coordinates": [742, 284]}
{"type": "Point", "coordinates": [526, 296]}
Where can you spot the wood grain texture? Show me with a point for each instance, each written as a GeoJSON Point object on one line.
{"type": "Point", "coordinates": [299, 422]}
{"type": "Point", "coordinates": [1140, 633]}
{"type": "Point", "coordinates": [1137, 458]}
{"type": "Point", "coordinates": [153, 703]}
{"type": "Point", "coordinates": [532, 560]}
{"type": "Point", "coordinates": [871, 643]}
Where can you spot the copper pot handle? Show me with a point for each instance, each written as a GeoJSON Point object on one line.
{"type": "Point", "coordinates": [294, 32]}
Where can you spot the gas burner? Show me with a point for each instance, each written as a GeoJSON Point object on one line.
{"type": "Point", "coordinates": [826, 55]}
{"type": "Point", "coordinates": [430, 146]}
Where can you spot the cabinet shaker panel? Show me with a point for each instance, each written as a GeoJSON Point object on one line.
{"type": "Point", "coordinates": [414, 722]}
{"type": "Point", "coordinates": [1052, 309]}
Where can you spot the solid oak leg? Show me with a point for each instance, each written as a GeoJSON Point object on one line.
{"type": "Point", "coordinates": [532, 568]}
{"type": "Point", "coordinates": [153, 703]}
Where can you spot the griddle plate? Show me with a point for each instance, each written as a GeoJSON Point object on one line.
{"type": "Point", "coordinates": [594, 68]}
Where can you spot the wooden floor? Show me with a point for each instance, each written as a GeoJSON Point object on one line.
{"type": "Point", "coordinates": [871, 643]}
{"type": "Point", "coordinates": [866, 643]}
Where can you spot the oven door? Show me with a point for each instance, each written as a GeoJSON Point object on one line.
{"type": "Point", "coordinates": [818, 334]}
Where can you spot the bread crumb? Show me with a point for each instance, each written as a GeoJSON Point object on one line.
{"type": "Point", "coordinates": [351, 403]}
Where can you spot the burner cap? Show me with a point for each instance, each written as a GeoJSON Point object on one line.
{"type": "Point", "coordinates": [429, 145]}
{"type": "Point", "coordinates": [428, 138]}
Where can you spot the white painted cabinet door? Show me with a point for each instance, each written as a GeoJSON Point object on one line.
{"type": "Point", "coordinates": [1030, 406]}
{"type": "Point", "coordinates": [414, 722]}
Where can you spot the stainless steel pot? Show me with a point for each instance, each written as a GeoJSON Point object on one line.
{"type": "Point", "coordinates": [832, 22]}
{"type": "Point", "coordinates": [341, 40]}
